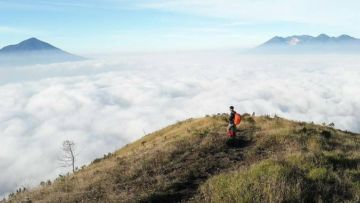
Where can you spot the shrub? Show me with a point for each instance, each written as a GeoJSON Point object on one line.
{"type": "Point", "coordinates": [268, 181]}
{"type": "Point", "coordinates": [318, 174]}
{"type": "Point", "coordinates": [315, 144]}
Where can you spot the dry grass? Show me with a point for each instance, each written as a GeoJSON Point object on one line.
{"type": "Point", "coordinates": [272, 160]}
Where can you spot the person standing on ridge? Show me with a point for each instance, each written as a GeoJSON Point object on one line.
{"type": "Point", "coordinates": [234, 119]}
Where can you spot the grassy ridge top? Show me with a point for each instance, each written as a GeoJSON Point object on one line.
{"type": "Point", "coordinates": [271, 160]}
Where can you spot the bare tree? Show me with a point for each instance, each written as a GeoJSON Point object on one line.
{"type": "Point", "coordinates": [69, 156]}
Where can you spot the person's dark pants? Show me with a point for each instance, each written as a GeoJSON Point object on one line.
{"type": "Point", "coordinates": [232, 130]}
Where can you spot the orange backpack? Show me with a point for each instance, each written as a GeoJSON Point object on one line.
{"type": "Point", "coordinates": [237, 119]}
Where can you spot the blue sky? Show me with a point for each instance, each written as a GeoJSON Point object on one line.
{"type": "Point", "coordinates": [158, 25]}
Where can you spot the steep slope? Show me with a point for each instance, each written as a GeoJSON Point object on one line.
{"type": "Point", "coordinates": [271, 160]}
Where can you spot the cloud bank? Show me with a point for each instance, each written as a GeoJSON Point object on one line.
{"type": "Point", "coordinates": [105, 104]}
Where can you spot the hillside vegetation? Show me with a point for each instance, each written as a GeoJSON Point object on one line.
{"type": "Point", "coordinates": [271, 160]}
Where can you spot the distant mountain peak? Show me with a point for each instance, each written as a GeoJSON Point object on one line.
{"type": "Point", "coordinates": [34, 51]}
{"type": "Point", "coordinates": [323, 36]}
{"type": "Point", "coordinates": [31, 44]}
{"type": "Point", "coordinates": [346, 37]}
{"type": "Point", "coordinates": [277, 38]}
{"type": "Point", "coordinates": [307, 43]}
{"type": "Point", "coordinates": [32, 39]}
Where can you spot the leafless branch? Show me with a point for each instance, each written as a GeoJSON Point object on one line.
{"type": "Point", "coordinates": [69, 156]}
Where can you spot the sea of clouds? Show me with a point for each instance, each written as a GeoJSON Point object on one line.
{"type": "Point", "coordinates": [104, 104]}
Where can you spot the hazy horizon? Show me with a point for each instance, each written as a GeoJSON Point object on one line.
{"type": "Point", "coordinates": [159, 25]}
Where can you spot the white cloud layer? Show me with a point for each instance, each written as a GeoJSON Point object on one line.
{"type": "Point", "coordinates": [104, 104]}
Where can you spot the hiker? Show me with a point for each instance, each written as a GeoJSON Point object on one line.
{"type": "Point", "coordinates": [234, 119]}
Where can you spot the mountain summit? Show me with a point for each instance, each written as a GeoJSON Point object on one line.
{"type": "Point", "coordinates": [31, 44]}
{"type": "Point", "coordinates": [271, 160]}
{"type": "Point", "coordinates": [34, 51]}
{"type": "Point", "coordinates": [307, 43]}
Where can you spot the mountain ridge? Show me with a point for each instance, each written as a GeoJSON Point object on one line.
{"type": "Point", "coordinates": [308, 43]}
{"type": "Point", "coordinates": [322, 38]}
{"type": "Point", "coordinates": [194, 161]}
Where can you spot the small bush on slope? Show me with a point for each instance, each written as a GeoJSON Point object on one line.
{"type": "Point", "coordinates": [267, 181]}
{"type": "Point", "coordinates": [299, 178]}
